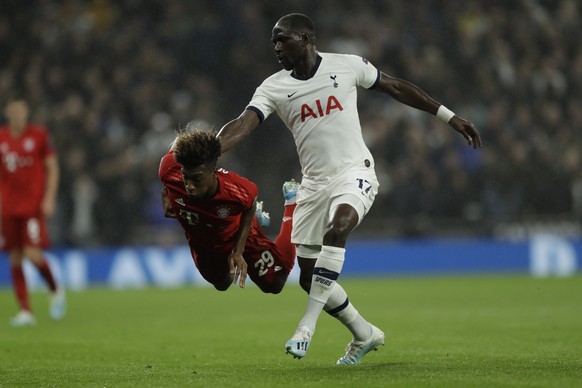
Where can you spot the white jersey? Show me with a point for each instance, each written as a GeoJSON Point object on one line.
{"type": "Point", "coordinates": [321, 112]}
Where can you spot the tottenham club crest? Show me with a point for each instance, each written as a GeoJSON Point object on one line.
{"type": "Point", "coordinates": [223, 212]}
{"type": "Point", "coordinates": [333, 78]}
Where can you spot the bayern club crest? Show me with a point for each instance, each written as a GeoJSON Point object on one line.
{"type": "Point", "coordinates": [28, 145]}
{"type": "Point", "coordinates": [223, 212]}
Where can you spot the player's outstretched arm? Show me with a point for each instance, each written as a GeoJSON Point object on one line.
{"type": "Point", "coordinates": [411, 95]}
{"type": "Point", "coordinates": [236, 262]}
{"type": "Point", "coordinates": [236, 130]}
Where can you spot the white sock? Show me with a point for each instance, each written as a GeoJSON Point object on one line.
{"type": "Point", "coordinates": [339, 306]}
{"type": "Point", "coordinates": [325, 273]}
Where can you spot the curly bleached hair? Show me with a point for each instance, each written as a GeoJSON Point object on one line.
{"type": "Point", "coordinates": [195, 147]}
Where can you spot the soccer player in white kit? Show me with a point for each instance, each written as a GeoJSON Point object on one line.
{"type": "Point", "coordinates": [315, 95]}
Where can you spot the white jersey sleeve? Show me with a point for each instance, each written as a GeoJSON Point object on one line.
{"type": "Point", "coordinates": [262, 103]}
{"type": "Point", "coordinates": [366, 74]}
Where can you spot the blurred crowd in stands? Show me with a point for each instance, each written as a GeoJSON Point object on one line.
{"type": "Point", "coordinates": [112, 80]}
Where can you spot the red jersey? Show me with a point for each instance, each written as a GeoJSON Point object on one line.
{"type": "Point", "coordinates": [22, 169]}
{"type": "Point", "coordinates": [212, 223]}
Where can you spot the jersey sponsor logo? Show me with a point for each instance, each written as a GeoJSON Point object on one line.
{"type": "Point", "coordinates": [319, 111]}
{"type": "Point", "coordinates": [12, 161]}
{"type": "Point", "coordinates": [292, 94]}
{"type": "Point", "coordinates": [180, 201]}
{"type": "Point", "coordinates": [190, 217]}
{"type": "Point", "coordinates": [223, 212]}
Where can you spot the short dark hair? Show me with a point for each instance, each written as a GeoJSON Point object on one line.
{"type": "Point", "coordinates": [14, 96]}
{"type": "Point", "coordinates": [196, 147]}
{"type": "Point", "coordinates": [299, 22]}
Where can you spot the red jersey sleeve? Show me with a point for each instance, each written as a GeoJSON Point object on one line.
{"type": "Point", "coordinates": [238, 188]}
{"type": "Point", "coordinates": [167, 165]}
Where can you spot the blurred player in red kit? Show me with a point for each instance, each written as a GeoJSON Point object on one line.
{"type": "Point", "coordinates": [216, 208]}
{"type": "Point", "coordinates": [29, 177]}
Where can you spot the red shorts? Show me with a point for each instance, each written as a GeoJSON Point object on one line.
{"type": "Point", "coordinates": [266, 264]}
{"type": "Point", "coordinates": [24, 231]}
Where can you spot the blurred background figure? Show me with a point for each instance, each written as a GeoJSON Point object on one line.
{"type": "Point", "coordinates": [29, 176]}
{"type": "Point", "coordinates": [108, 77]}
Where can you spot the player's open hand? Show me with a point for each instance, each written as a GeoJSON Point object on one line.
{"type": "Point", "coordinates": [238, 269]}
{"type": "Point", "coordinates": [468, 131]}
{"type": "Point", "coordinates": [48, 207]}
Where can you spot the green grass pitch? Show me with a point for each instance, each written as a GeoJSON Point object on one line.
{"type": "Point", "coordinates": [477, 331]}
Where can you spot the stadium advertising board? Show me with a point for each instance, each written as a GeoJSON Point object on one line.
{"type": "Point", "coordinates": [127, 268]}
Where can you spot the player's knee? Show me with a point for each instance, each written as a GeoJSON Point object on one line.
{"type": "Point", "coordinates": [276, 289]}
{"type": "Point", "coordinates": [336, 235]}
{"type": "Point", "coordinates": [16, 258]}
{"type": "Point", "coordinates": [273, 287]}
{"type": "Point", "coordinates": [222, 286]}
{"type": "Point", "coordinates": [35, 255]}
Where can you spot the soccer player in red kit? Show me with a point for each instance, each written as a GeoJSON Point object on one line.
{"type": "Point", "coordinates": [29, 176]}
{"type": "Point", "coordinates": [216, 208]}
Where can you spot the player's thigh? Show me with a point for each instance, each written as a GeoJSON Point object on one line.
{"type": "Point", "coordinates": [21, 232]}
{"type": "Point", "coordinates": [266, 264]}
{"type": "Point", "coordinates": [213, 267]}
{"type": "Point", "coordinates": [13, 232]}
{"type": "Point", "coordinates": [357, 188]}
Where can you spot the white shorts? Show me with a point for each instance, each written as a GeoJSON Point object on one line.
{"type": "Point", "coordinates": [317, 201]}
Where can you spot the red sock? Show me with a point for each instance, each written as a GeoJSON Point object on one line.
{"type": "Point", "coordinates": [283, 240]}
{"type": "Point", "coordinates": [47, 275]}
{"type": "Point", "coordinates": [19, 285]}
